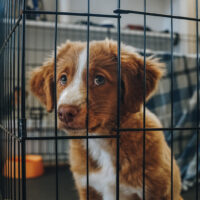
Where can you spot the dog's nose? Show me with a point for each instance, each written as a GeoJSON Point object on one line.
{"type": "Point", "coordinates": [67, 113]}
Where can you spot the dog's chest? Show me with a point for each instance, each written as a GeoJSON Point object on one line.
{"type": "Point", "coordinates": [104, 179]}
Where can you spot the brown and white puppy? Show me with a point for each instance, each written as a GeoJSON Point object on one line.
{"type": "Point", "coordinates": [71, 105]}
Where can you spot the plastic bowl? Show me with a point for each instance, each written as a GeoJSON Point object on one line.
{"type": "Point", "coordinates": [34, 167]}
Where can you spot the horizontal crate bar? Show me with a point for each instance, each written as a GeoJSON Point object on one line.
{"type": "Point", "coordinates": [107, 136]}
{"type": "Point", "coordinates": [98, 136]}
{"type": "Point", "coordinates": [72, 137]}
{"type": "Point", "coordinates": [128, 129]}
{"type": "Point", "coordinates": [68, 13]}
{"type": "Point", "coordinates": [121, 11]}
{"type": "Point", "coordinates": [158, 129]}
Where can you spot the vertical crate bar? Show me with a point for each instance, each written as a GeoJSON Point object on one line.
{"type": "Point", "coordinates": [172, 96]}
{"type": "Point", "coordinates": [8, 103]}
{"type": "Point", "coordinates": [198, 118]}
{"type": "Point", "coordinates": [118, 99]}
{"type": "Point", "coordinates": [55, 98]}
{"type": "Point", "coordinates": [18, 98]}
{"type": "Point", "coordinates": [13, 100]}
{"type": "Point", "coordinates": [6, 63]}
{"type": "Point", "coordinates": [22, 122]}
{"type": "Point", "coordinates": [10, 98]}
{"type": "Point", "coordinates": [87, 100]}
{"type": "Point", "coordinates": [144, 108]}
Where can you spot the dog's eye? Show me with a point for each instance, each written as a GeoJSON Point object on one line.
{"type": "Point", "coordinates": [99, 80]}
{"type": "Point", "coordinates": [63, 79]}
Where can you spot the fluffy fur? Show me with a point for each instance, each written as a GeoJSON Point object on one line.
{"type": "Point", "coordinates": [71, 61]}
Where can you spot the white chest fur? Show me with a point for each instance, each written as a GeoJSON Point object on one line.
{"type": "Point", "coordinates": [104, 181]}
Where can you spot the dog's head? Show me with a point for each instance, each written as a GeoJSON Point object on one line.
{"type": "Point", "coordinates": [71, 83]}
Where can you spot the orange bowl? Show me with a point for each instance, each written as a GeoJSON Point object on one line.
{"type": "Point", "coordinates": [34, 166]}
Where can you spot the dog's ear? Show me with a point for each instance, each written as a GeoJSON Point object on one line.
{"type": "Point", "coordinates": [42, 78]}
{"type": "Point", "coordinates": [41, 84]}
{"type": "Point", "coordinates": [133, 79]}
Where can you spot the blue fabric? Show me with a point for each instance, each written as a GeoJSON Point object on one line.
{"type": "Point", "coordinates": [184, 112]}
{"type": "Point", "coordinates": [35, 4]}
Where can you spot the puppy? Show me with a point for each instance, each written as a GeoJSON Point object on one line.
{"type": "Point", "coordinates": [71, 83]}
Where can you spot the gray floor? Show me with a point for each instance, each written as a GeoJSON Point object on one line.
{"type": "Point", "coordinates": [44, 187]}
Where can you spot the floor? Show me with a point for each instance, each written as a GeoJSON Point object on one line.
{"type": "Point", "coordinates": [43, 188]}
{"type": "Point", "coordinates": [47, 185]}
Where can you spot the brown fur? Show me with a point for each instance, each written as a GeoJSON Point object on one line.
{"type": "Point", "coordinates": [103, 115]}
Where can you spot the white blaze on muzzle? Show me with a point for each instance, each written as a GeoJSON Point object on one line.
{"type": "Point", "coordinates": [74, 93]}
